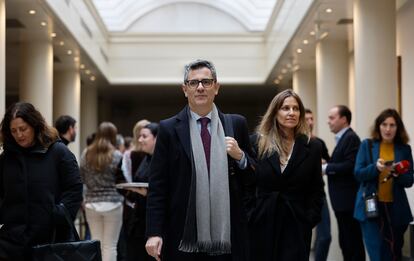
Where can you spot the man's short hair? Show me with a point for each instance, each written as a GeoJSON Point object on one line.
{"type": "Point", "coordinates": [344, 111]}
{"type": "Point", "coordinates": [63, 123]}
{"type": "Point", "coordinates": [197, 64]}
{"type": "Point", "coordinates": [308, 111]}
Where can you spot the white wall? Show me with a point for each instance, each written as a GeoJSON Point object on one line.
{"type": "Point", "coordinates": [405, 41]}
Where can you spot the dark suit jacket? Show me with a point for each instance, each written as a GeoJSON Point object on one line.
{"type": "Point", "coordinates": [340, 171]}
{"type": "Point", "coordinates": [288, 204]}
{"type": "Point", "coordinates": [169, 185]}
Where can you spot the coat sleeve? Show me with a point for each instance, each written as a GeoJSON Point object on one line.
{"type": "Point", "coordinates": [406, 179]}
{"type": "Point", "coordinates": [69, 182]}
{"type": "Point", "coordinates": [248, 178]}
{"type": "Point", "coordinates": [365, 170]}
{"type": "Point", "coordinates": [158, 184]}
{"type": "Point", "coordinates": [316, 190]}
{"type": "Point", "coordinates": [346, 165]}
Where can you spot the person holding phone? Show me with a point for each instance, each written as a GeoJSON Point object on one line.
{"type": "Point", "coordinates": [375, 165]}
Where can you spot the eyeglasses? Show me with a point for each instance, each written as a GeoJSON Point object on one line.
{"type": "Point", "coordinates": [207, 83]}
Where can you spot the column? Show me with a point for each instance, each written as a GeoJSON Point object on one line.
{"type": "Point", "coordinates": [89, 112]}
{"type": "Point", "coordinates": [304, 84]}
{"type": "Point", "coordinates": [36, 77]}
{"type": "Point", "coordinates": [66, 100]}
{"type": "Point", "coordinates": [375, 60]}
{"type": "Point", "coordinates": [332, 83]}
{"type": "Point", "coordinates": [2, 57]}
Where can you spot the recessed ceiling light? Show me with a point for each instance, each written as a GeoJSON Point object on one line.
{"type": "Point", "coordinates": [32, 12]}
{"type": "Point", "coordinates": [53, 35]}
{"type": "Point", "coordinates": [280, 77]}
{"type": "Point", "coordinates": [87, 72]}
{"type": "Point", "coordinates": [43, 23]}
{"type": "Point", "coordinates": [276, 81]}
{"type": "Point", "coordinates": [61, 43]}
{"type": "Point", "coordinates": [284, 71]}
{"type": "Point", "coordinates": [328, 10]}
{"type": "Point", "coordinates": [69, 52]}
{"type": "Point", "coordinates": [312, 33]}
{"type": "Point", "coordinates": [288, 65]}
{"type": "Point", "coordinates": [76, 59]}
{"type": "Point", "coordinates": [305, 41]}
{"type": "Point", "coordinates": [92, 78]}
{"type": "Point", "coordinates": [82, 66]}
{"type": "Point", "coordinates": [299, 50]}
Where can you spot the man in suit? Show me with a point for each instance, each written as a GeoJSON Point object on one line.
{"type": "Point", "coordinates": [342, 184]}
{"type": "Point", "coordinates": [200, 178]}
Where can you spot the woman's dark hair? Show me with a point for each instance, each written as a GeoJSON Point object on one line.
{"type": "Point", "coordinates": [45, 135]}
{"type": "Point", "coordinates": [153, 127]}
{"type": "Point", "coordinates": [400, 137]}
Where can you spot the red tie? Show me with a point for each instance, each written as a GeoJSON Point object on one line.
{"type": "Point", "coordinates": [206, 138]}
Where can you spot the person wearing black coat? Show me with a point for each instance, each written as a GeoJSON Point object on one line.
{"type": "Point", "coordinates": [38, 177]}
{"type": "Point", "coordinates": [289, 183]}
{"type": "Point", "coordinates": [174, 230]}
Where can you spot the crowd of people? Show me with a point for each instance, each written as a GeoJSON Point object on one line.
{"type": "Point", "coordinates": [197, 186]}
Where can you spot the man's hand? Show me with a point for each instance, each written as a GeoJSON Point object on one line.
{"type": "Point", "coordinates": [233, 148]}
{"type": "Point", "coordinates": [153, 247]}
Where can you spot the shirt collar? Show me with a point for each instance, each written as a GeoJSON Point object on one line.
{"type": "Point", "coordinates": [340, 133]}
{"type": "Point", "coordinates": [197, 117]}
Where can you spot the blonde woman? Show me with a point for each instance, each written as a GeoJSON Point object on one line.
{"type": "Point", "coordinates": [103, 204]}
{"type": "Point", "coordinates": [289, 183]}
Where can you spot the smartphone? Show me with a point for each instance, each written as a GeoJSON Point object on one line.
{"type": "Point", "coordinates": [388, 163]}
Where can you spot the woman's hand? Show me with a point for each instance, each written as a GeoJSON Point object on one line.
{"type": "Point", "coordinates": [141, 191]}
{"type": "Point", "coordinates": [382, 167]}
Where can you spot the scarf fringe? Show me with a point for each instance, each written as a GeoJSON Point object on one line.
{"type": "Point", "coordinates": [210, 248]}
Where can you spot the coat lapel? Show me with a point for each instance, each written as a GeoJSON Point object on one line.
{"type": "Point", "coordinates": [299, 154]}
{"type": "Point", "coordinates": [183, 131]}
{"type": "Point", "coordinates": [274, 162]}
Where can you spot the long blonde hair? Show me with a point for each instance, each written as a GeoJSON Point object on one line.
{"type": "Point", "coordinates": [99, 153]}
{"type": "Point", "coordinates": [270, 138]}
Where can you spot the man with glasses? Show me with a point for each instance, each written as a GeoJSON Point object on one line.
{"type": "Point", "coordinates": [199, 177]}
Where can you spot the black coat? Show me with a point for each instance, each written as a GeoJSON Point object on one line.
{"type": "Point", "coordinates": [169, 185]}
{"type": "Point", "coordinates": [33, 182]}
{"type": "Point", "coordinates": [340, 171]}
{"type": "Point", "coordinates": [288, 204]}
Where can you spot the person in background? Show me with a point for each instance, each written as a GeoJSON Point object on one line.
{"type": "Point", "coordinates": [103, 204]}
{"type": "Point", "coordinates": [135, 228]}
{"type": "Point", "coordinates": [120, 143]}
{"type": "Point", "coordinates": [289, 183]}
{"type": "Point", "coordinates": [127, 143]}
{"type": "Point", "coordinates": [342, 184]}
{"type": "Point", "coordinates": [384, 235]}
{"type": "Point", "coordinates": [131, 160]}
{"type": "Point", "coordinates": [66, 126]}
{"type": "Point", "coordinates": [200, 176]}
{"type": "Point", "coordinates": [323, 229]}
{"type": "Point", "coordinates": [39, 177]}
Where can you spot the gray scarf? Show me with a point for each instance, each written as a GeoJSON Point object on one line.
{"type": "Point", "coordinates": [212, 198]}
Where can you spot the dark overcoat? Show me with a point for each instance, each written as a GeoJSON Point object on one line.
{"type": "Point", "coordinates": [288, 204]}
{"type": "Point", "coordinates": [169, 188]}
{"type": "Point", "coordinates": [33, 184]}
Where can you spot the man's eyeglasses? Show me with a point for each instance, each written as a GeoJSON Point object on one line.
{"type": "Point", "coordinates": [207, 83]}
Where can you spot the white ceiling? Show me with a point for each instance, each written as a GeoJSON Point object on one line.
{"type": "Point", "coordinates": [121, 15]}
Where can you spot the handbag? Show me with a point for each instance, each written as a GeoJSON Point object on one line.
{"type": "Point", "coordinates": [73, 250]}
{"type": "Point", "coordinates": [371, 200]}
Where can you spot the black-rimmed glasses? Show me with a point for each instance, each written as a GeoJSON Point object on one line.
{"type": "Point", "coordinates": [207, 83]}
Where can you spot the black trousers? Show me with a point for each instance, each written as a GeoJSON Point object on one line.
{"type": "Point", "coordinates": [350, 236]}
